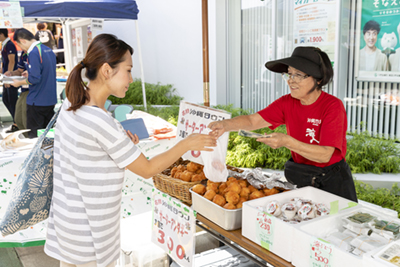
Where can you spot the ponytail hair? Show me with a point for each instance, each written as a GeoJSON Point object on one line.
{"type": "Point", "coordinates": [105, 48]}
{"type": "Point", "coordinates": [325, 67]}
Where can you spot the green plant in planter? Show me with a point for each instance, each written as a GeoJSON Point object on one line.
{"type": "Point", "coordinates": [387, 198]}
{"type": "Point", "coordinates": [156, 94]}
{"type": "Point", "coordinates": [368, 154]}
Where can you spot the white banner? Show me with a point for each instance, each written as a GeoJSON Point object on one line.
{"type": "Point", "coordinates": [195, 119]}
{"type": "Point", "coordinates": [173, 228]}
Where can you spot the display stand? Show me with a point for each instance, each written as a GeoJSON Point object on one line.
{"type": "Point", "coordinates": [235, 240]}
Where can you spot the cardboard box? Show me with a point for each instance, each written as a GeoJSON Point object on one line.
{"type": "Point", "coordinates": [306, 235]}
{"type": "Point", "coordinates": [279, 238]}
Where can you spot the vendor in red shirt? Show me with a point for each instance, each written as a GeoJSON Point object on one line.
{"type": "Point", "coordinates": [316, 124]}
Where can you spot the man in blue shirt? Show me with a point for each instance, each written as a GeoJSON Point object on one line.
{"type": "Point", "coordinates": [41, 70]}
{"type": "Point", "coordinates": [20, 107]}
{"type": "Point", "coordinates": [9, 60]}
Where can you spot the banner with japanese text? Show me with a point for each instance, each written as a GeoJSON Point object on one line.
{"type": "Point", "coordinates": [173, 228]}
{"type": "Point", "coordinates": [10, 15]}
{"type": "Point", "coordinates": [315, 25]}
{"type": "Point", "coordinates": [195, 119]}
{"type": "Point", "coordinates": [377, 43]}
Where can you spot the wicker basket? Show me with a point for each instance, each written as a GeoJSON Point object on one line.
{"type": "Point", "coordinates": [174, 187]}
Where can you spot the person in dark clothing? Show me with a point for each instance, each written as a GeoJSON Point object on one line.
{"type": "Point", "coordinates": [9, 61]}
{"type": "Point", "coordinates": [41, 70]}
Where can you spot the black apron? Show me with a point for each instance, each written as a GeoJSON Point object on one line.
{"type": "Point", "coordinates": [335, 179]}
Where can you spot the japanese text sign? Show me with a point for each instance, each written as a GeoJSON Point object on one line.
{"type": "Point", "coordinates": [195, 119]}
{"type": "Point", "coordinates": [321, 253]}
{"type": "Point", "coordinates": [10, 15]}
{"type": "Point", "coordinates": [173, 228]}
{"type": "Point", "coordinates": [265, 229]}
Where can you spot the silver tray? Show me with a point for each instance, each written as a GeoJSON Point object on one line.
{"type": "Point", "coordinates": [227, 219]}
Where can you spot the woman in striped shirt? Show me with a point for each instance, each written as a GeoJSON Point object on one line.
{"type": "Point", "coordinates": [91, 152]}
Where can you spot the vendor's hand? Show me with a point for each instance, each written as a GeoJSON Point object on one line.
{"type": "Point", "coordinates": [217, 128]}
{"type": "Point", "coordinates": [25, 74]}
{"type": "Point", "coordinates": [274, 140]}
{"type": "Point", "coordinates": [6, 85]}
{"type": "Point", "coordinates": [200, 142]}
{"type": "Point", "coordinates": [7, 73]}
{"type": "Point", "coordinates": [133, 137]}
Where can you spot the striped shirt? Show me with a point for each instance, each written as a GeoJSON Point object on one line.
{"type": "Point", "coordinates": [91, 151]}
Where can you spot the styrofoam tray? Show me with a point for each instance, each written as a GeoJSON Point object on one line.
{"type": "Point", "coordinates": [280, 239]}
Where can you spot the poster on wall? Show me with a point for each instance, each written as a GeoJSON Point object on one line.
{"type": "Point", "coordinates": [73, 37]}
{"type": "Point", "coordinates": [315, 25]}
{"type": "Point", "coordinates": [377, 41]}
{"type": "Point", "coordinates": [79, 45]}
{"type": "Point", "coordinates": [89, 34]}
{"type": "Point", "coordinates": [10, 15]}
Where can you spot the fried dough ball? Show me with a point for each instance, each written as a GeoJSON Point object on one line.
{"type": "Point", "coordinates": [252, 188]}
{"type": "Point", "coordinates": [229, 206]}
{"type": "Point", "coordinates": [219, 200]}
{"type": "Point", "coordinates": [245, 193]}
{"type": "Point", "coordinates": [192, 167]}
{"type": "Point", "coordinates": [240, 203]}
{"type": "Point", "coordinates": [173, 171]}
{"type": "Point", "coordinates": [210, 194]}
{"type": "Point", "coordinates": [196, 177]}
{"type": "Point", "coordinates": [256, 194]}
{"type": "Point", "coordinates": [212, 186]}
{"type": "Point", "coordinates": [234, 187]}
{"type": "Point", "coordinates": [222, 188]}
{"type": "Point", "coordinates": [199, 171]}
{"type": "Point", "coordinates": [186, 176]}
{"type": "Point", "coordinates": [231, 180]}
{"type": "Point", "coordinates": [181, 168]}
{"type": "Point", "coordinates": [203, 175]}
{"type": "Point", "coordinates": [178, 175]}
{"type": "Point", "coordinates": [243, 183]}
{"type": "Point", "coordinates": [199, 189]}
{"type": "Point", "coordinates": [232, 197]}
{"type": "Point", "coordinates": [271, 191]}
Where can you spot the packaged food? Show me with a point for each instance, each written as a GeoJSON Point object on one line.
{"type": "Point", "coordinates": [321, 210]}
{"type": "Point", "coordinates": [341, 240]}
{"type": "Point", "coordinates": [289, 210]}
{"type": "Point", "coordinates": [361, 218]}
{"type": "Point", "coordinates": [307, 211]}
{"type": "Point", "coordinates": [274, 208]}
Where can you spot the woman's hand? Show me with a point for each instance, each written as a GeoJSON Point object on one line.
{"type": "Point", "coordinates": [274, 140]}
{"type": "Point", "coordinates": [217, 128]}
{"type": "Point", "coordinates": [200, 142]}
{"type": "Point", "coordinates": [133, 137]}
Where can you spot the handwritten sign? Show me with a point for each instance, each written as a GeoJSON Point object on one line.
{"type": "Point", "coordinates": [173, 228]}
{"type": "Point", "coordinates": [195, 119]}
{"type": "Point", "coordinates": [265, 229]}
{"type": "Point", "coordinates": [321, 253]}
{"type": "Point", "coordinates": [10, 15]}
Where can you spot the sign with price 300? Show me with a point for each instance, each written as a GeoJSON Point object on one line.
{"type": "Point", "coordinates": [173, 228]}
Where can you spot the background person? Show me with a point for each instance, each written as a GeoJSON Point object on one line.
{"type": "Point", "coordinates": [9, 61]}
{"type": "Point", "coordinates": [316, 124]}
{"type": "Point", "coordinates": [20, 107]}
{"type": "Point", "coordinates": [41, 71]}
{"type": "Point", "coordinates": [44, 35]}
{"type": "Point", "coordinates": [91, 152]}
{"type": "Point", "coordinates": [371, 58]}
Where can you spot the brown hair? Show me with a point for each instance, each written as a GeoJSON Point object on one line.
{"type": "Point", "coordinates": [40, 26]}
{"type": "Point", "coordinates": [105, 48]}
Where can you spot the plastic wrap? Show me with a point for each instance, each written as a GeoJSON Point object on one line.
{"type": "Point", "coordinates": [260, 180]}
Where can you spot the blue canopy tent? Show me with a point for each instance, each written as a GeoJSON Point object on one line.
{"type": "Point", "coordinates": [63, 10]}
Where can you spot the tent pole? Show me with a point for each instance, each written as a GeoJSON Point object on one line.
{"type": "Point", "coordinates": [206, 70]}
{"type": "Point", "coordinates": [141, 66]}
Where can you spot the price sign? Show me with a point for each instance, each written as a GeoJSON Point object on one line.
{"type": "Point", "coordinates": [195, 119]}
{"type": "Point", "coordinates": [173, 228]}
{"type": "Point", "coordinates": [321, 253]}
{"type": "Point", "coordinates": [265, 229]}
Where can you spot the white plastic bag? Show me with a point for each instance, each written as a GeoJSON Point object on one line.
{"type": "Point", "coordinates": [214, 162]}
